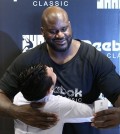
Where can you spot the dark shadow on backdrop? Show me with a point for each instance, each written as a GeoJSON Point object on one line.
{"type": "Point", "coordinates": [8, 52]}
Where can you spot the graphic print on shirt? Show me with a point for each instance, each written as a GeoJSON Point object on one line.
{"type": "Point", "coordinates": [73, 94]}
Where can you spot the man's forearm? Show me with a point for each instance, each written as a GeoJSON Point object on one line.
{"type": "Point", "coordinates": [5, 105]}
{"type": "Point", "coordinates": [117, 103]}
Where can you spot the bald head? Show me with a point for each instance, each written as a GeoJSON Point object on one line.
{"type": "Point", "coordinates": [53, 13]}
{"type": "Point", "coordinates": [56, 29]}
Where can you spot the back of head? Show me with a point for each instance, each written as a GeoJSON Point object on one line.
{"type": "Point", "coordinates": [34, 82]}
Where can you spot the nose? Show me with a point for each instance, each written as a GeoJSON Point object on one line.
{"type": "Point", "coordinates": [59, 34]}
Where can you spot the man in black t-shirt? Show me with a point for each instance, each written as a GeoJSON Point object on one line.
{"type": "Point", "coordinates": [82, 72]}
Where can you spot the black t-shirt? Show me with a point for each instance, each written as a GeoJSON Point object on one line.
{"type": "Point", "coordinates": [82, 79]}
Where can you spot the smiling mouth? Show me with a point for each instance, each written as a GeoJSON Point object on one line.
{"type": "Point", "coordinates": [61, 42]}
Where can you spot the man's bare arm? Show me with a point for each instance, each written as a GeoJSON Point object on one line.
{"type": "Point", "coordinates": [5, 104]}
{"type": "Point", "coordinates": [26, 113]}
{"type": "Point", "coordinates": [117, 103]}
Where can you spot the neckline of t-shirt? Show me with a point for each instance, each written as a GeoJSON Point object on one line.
{"type": "Point", "coordinates": [65, 64]}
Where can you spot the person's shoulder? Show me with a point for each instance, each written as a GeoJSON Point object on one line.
{"type": "Point", "coordinates": [28, 58]}
{"type": "Point", "coordinates": [86, 50]}
{"type": "Point", "coordinates": [96, 57]}
{"type": "Point", "coordinates": [85, 46]}
{"type": "Point", "coordinates": [89, 51]}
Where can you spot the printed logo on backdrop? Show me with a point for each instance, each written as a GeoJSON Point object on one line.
{"type": "Point", "coordinates": [108, 4]}
{"type": "Point", "coordinates": [112, 49]}
{"type": "Point", "coordinates": [46, 3]}
{"type": "Point", "coordinates": [31, 41]}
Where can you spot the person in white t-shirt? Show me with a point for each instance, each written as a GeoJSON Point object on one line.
{"type": "Point", "coordinates": [37, 85]}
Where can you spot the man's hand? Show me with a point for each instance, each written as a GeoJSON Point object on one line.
{"type": "Point", "coordinates": [31, 115]}
{"type": "Point", "coordinates": [106, 118]}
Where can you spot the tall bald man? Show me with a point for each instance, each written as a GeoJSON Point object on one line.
{"type": "Point", "coordinates": [82, 71]}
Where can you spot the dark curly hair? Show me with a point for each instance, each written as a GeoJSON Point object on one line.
{"type": "Point", "coordinates": [34, 82]}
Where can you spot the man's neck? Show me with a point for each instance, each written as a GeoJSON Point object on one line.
{"type": "Point", "coordinates": [63, 57]}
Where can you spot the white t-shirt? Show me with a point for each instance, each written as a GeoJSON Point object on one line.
{"type": "Point", "coordinates": [66, 109]}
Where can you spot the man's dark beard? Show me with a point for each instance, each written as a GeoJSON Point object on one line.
{"type": "Point", "coordinates": [53, 46]}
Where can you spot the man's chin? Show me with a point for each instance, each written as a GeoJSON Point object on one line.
{"type": "Point", "coordinates": [59, 47]}
{"type": "Point", "coordinates": [62, 48]}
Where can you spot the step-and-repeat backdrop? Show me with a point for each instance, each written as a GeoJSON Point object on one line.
{"type": "Point", "coordinates": [94, 21]}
